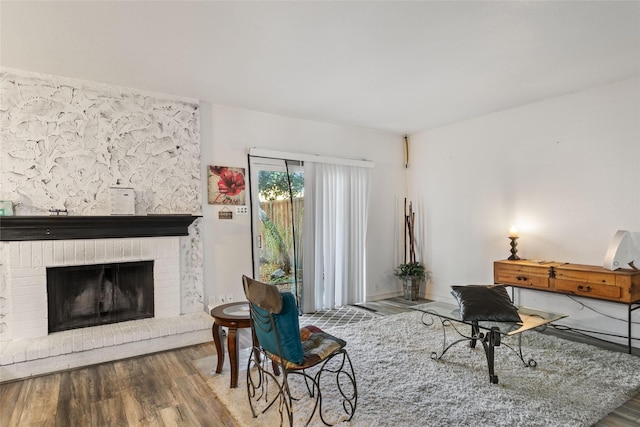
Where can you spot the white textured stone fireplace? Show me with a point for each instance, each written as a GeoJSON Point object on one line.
{"type": "Point", "coordinates": [28, 349]}
{"type": "Point", "coordinates": [65, 143]}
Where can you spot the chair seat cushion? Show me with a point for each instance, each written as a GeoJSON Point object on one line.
{"type": "Point", "coordinates": [317, 346]}
{"type": "Point", "coordinates": [490, 303]}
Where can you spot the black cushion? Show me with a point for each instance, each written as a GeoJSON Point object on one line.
{"type": "Point", "coordinates": [490, 302]}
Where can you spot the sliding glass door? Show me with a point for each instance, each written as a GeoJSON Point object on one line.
{"type": "Point", "coordinates": [328, 200]}
{"type": "Point", "coordinates": [277, 194]}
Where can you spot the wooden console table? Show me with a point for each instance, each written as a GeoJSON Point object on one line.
{"type": "Point", "coordinates": [588, 281]}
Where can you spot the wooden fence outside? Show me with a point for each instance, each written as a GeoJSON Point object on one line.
{"type": "Point", "coordinates": [282, 216]}
{"type": "Point", "coordinates": [280, 213]}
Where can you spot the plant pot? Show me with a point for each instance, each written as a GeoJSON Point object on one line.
{"type": "Point", "coordinates": [411, 287]}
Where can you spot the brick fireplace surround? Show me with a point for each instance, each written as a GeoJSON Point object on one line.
{"type": "Point", "coordinates": [27, 349]}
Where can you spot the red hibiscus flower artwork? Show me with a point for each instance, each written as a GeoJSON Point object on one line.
{"type": "Point", "coordinates": [226, 185]}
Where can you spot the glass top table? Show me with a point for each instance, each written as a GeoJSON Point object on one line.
{"type": "Point", "coordinates": [488, 333]}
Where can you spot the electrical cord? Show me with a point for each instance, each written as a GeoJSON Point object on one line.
{"type": "Point", "coordinates": [588, 333]}
{"type": "Point", "coordinates": [601, 313]}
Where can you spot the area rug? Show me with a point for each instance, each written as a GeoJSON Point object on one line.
{"type": "Point", "coordinates": [574, 384]}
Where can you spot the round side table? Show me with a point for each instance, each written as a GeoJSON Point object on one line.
{"type": "Point", "coordinates": [233, 315]}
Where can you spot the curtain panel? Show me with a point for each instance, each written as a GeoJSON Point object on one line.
{"type": "Point", "coordinates": [335, 226]}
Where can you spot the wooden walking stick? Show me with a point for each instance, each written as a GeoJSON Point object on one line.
{"type": "Point", "coordinates": [404, 253]}
{"type": "Point", "coordinates": [411, 222]}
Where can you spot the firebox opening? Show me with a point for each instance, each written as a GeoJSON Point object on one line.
{"type": "Point", "coordinates": [91, 295]}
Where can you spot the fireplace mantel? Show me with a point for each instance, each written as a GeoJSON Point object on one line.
{"type": "Point", "coordinates": [24, 228]}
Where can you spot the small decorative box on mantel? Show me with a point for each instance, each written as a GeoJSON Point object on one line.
{"type": "Point", "coordinates": [123, 201]}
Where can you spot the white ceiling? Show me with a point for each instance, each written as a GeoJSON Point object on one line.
{"type": "Point", "coordinates": [395, 66]}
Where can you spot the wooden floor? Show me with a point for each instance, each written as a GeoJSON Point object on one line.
{"type": "Point", "coordinates": [162, 389]}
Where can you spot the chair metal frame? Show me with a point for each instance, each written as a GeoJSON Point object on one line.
{"type": "Point", "coordinates": [271, 368]}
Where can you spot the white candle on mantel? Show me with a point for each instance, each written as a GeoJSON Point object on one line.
{"type": "Point", "coordinates": [513, 232]}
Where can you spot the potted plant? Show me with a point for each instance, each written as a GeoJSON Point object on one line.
{"type": "Point", "coordinates": [412, 274]}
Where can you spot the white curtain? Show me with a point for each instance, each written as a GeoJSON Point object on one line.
{"type": "Point", "coordinates": [336, 201]}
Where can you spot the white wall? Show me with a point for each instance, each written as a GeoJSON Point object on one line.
{"type": "Point", "coordinates": [226, 135]}
{"type": "Point", "coordinates": [565, 171]}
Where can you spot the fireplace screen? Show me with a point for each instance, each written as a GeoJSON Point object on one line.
{"type": "Point", "coordinates": [91, 295]}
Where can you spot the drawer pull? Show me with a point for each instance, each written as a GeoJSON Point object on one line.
{"type": "Point", "coordinates": [584, 288]}
{"type": "Point", "coordinates": [521, 278]}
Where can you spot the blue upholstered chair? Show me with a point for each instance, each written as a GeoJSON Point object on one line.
{"type": "Point", "coordinates": [289, 364]}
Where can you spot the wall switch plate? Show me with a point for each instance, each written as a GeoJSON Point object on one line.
{"type": "Point", "coordinates": [242, 210]}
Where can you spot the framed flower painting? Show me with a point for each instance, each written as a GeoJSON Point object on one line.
{"type": "Point", "coordinates": [226, 185]}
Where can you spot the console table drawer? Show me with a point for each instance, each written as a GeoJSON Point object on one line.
{"type": "Point", "coordinates": [589, 289]}
{"type": "Point", "coordinates": [522, 275]}
{"type": "Point", "coordinates": [594, 277]}
{"type": "Point", "coordinates": [523, 279]}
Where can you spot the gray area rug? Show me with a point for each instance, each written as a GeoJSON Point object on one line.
{"type": "Point", "coordinates": [399, 384]}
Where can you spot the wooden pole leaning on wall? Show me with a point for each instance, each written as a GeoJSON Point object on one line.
{"type": "Point", "coordinates": [404, 220]}
{"type": "Point", "coordinates": [411, 219]}
{"type": "Point", "coordinates": [409, 232]}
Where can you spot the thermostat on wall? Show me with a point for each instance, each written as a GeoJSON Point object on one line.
{"type": "Point", "coordinates": [123, 201]}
